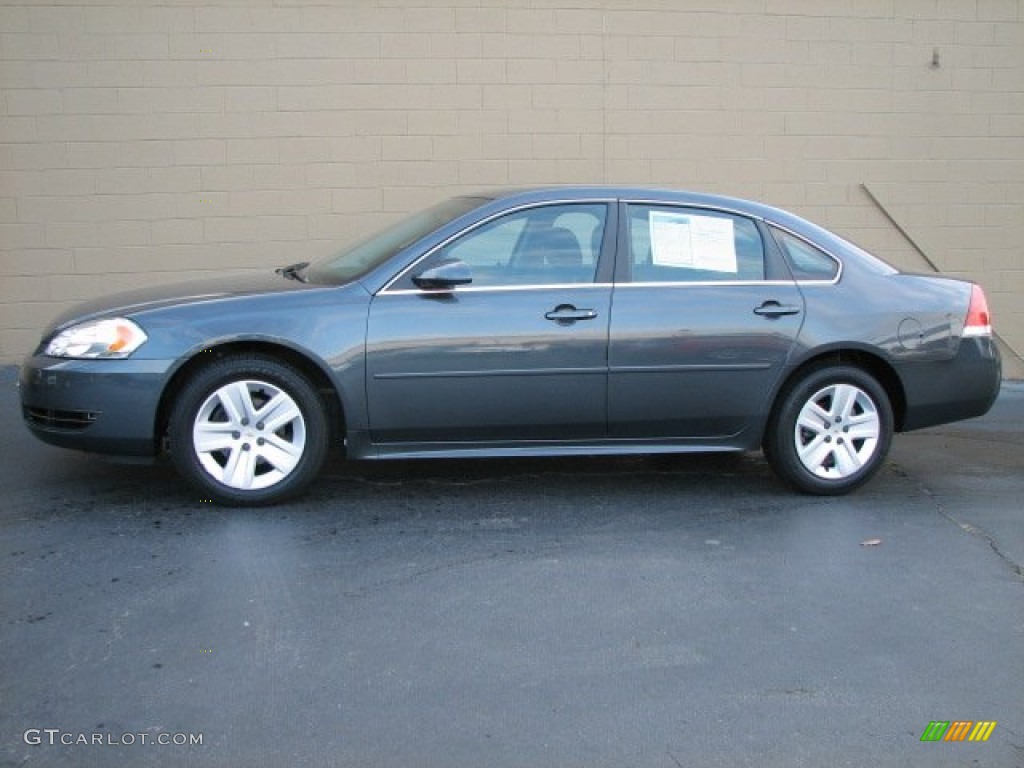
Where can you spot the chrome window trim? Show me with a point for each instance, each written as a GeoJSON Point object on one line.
{"type": "Point", "coordinates": [699, 283]}
{"type": "Point", "coordinates": [815, 246]}
{"type": "Point", "coordinates": [608, 201]}
{"type": "Point", "coordinates": [492, 289]}
{"type": "Point", "coordinates": [821, 282]}
{"type": "Point", "coordinates": [754, 217]}
{"type": "Point", "coordinates": [482, 222]}
{"type": "Point", "coordinates": [701, 206]}
{"type": "Point", "coordinates": [572, 286]}
{"type": "Point", "coordinates": [713, 209]}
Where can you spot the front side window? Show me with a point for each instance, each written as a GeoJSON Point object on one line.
{"type": "Point", "coordinates": [671, 244]}
{"type": "Point", "coordinates": [544, 245]}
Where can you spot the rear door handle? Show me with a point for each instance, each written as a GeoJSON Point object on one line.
{"type": "Point", "coordinates": [567, 313]}
{"type": "Point", "coordinates": [774, 309]}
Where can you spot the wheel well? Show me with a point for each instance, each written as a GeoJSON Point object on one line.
{"type": "Point", "coordinates": [866, 361]}
{"type": "Point", "coordinates": [313, 372]}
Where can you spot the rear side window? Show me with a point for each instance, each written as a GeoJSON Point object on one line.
{"type": "Point", "coordinates": [670, 244]}
{"type": "Point", "coordinates": [805, 261]}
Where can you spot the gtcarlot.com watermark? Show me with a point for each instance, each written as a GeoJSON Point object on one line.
{"type": "Point", "coordinates": [55, 736]}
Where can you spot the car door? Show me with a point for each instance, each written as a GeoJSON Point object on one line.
{"type": "Point", "coordinates": [704, 317]}
{"type": "Point", "coordinates": [519, 353]}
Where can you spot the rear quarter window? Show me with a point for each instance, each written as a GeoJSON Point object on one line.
{"type": "Point", "coordinates": [805, 261]}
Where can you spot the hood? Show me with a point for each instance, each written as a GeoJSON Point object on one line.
{"type": "Point", "coordinates": [128, 303]}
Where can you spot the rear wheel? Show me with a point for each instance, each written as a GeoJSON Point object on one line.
{"type": "Point", "coordinates": [831, 431]}
{"type": "Point", "coordinates": [248, 430]}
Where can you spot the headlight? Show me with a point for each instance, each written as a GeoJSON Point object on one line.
{"type": "Point", "coordinates": [112, 338]}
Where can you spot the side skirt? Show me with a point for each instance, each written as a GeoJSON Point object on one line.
{"type": "Point", "coordinates": [359, 446]}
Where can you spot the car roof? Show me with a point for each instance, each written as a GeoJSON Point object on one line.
{"type": "Point", "coordinates": [527, 195]}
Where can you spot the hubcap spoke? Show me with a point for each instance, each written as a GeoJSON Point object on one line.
{"type": "Point", "coordinates": [240, 469]}
{"type": "Point", "coordinates": [865, 430]}
{"type": "Point", "coordinates": [236, 400]}
{"type": "Point", "coordinates": [282, 455]}
{"type": "Point", "coordinates": [847, 459]}
{"type": "Point", "coordinates": [813, 454]}
{"type": "Point", "coordinates": [213, 436]}
{"type": "Point", "coordinates": [280, 410]}
{"type": "Point", "coordinates": [843, 399]}
{"type": "Point", "coordinates": [813, 418]}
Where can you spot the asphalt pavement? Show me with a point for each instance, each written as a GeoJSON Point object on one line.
{"type": "Point", "coordinates": [679, 611]}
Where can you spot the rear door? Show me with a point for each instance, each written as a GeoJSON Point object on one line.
{"type": "Point", "coordinates": [703, 320]}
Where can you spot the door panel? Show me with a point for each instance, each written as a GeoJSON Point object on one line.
{"type": "Point", "coordinates": [483, 365]}
{"type": "Point", "coordinates": [701, 324]}
{"type": "Point", "coordinates": [519, 354]}
{"type": "Point", "coordinates": [695, 361]}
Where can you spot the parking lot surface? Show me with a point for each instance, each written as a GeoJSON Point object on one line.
{"type": "Point", "coordinates": [683, 611]}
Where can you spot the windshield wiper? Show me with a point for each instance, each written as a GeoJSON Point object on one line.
{"type": "Point", "coordinates": [292, 271]}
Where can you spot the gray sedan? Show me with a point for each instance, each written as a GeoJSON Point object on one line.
{"type": "Point", "coordinates": [559, 321]}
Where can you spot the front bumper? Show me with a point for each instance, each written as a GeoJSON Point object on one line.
{"type": "Point", "coordinates": [101, 406]}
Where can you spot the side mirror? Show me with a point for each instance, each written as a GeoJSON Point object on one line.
{"type": "Point", "coordinates": [445, 275]}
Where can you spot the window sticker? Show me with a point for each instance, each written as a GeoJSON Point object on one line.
{"type": "Point", "coordinates": [694, 242]}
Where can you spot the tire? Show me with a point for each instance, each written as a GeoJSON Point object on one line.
{"type": "Point", "coordinates": [831, 431]}
{"type": "Point", "coordinates": [219, 440]}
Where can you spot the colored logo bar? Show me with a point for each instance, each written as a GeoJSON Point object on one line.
{"type": "Point", "coordinates": [958, 730]}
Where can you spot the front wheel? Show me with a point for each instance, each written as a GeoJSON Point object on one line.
{"type": "Point", "coordinates": [831, 431]}
{"type": "Point", "coordinates": [248, 430]}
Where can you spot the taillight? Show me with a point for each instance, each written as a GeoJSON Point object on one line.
{"type": "Point", "coordinates": [978, 322]}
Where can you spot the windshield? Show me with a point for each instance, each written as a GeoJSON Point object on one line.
{"type": "Point", "coordinates": [357, 260]}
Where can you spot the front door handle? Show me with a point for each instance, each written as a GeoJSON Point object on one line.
{"type": "Point", "coordinates": [565, 314]}
{"type": "Point", "coordinates": [774, 309]}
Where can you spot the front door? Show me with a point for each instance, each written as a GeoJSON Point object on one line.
{"type": "Point", "coordinates": [518, 354]}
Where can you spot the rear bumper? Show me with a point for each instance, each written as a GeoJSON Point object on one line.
{"type": "Point", "coordinates": [962, 388]}
{"type": "Point", "coordinates": [101, 406]}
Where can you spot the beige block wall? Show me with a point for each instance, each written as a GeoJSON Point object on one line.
{"type": "Point", "coordinates": [140, 142]}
